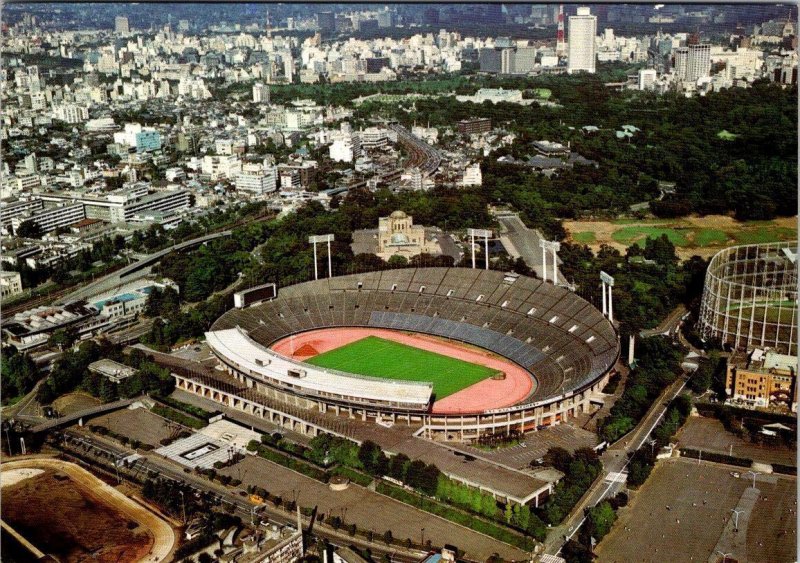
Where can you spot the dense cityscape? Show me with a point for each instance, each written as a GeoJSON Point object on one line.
{"type": "Point", "coordinates": [399, 282]}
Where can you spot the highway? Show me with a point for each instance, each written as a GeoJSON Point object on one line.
{"type": "Point", "coordinates": [615, 463]}
{"type": "Point", "coordinates": [423, 156]}
{"type": "Point", "coordinates": [133, 271]}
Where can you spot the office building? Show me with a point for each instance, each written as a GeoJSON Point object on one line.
{"type": "Point", "coordinates": [475, 126]}
{"type": "Point", "coordinates": [53, 218]}
{"type": "Point", "coordinates": [699, 64]}
{"type": "Point", "coordinates": [326, 21]}
{"type": "Point", "coordinates": [763, 379]}
{"type": "Point", "coordinates": [70, 113]}
{"type": "Point", "coordinates": [260, 94]}
{"type": "Point", "coordinates": [647, 78]}
{"type": "Point", "coordinates": [121, 25]}
{"type": "Point", "coordinates": [581, 38]}
{"type": "Point", "coordinates": [256, 179]}
{"type": "Point", "coordinates": [490, 60]}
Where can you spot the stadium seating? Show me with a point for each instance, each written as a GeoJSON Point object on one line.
{"type": "Point", "coordinates": [562, 340]}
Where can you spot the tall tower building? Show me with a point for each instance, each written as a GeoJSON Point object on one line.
{"type": "Point", "coordinates": [121, 25]}
{"type": "Point", "coordinates": [561, 47]}
{"type": "Point", "coordinates": [699, 62]}
{"type": "Point", "coordinates": [581, 48]}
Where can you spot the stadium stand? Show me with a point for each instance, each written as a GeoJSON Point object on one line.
{"type": "Point", "coordinates": [564, 342]}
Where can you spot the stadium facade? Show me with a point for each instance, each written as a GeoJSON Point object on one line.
{"type": "Point", "coordinates": [750, 297]}
{"type": "Point", "coordinates": [564, 344]}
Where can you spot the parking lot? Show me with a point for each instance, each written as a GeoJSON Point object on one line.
{"type": "Point", "coordinates": [137, 424]}
{"type": "Point", "coordinates": [368, 510]}
{"type": "Point", "coordinates": [683, 513]}
{"type": "Point", "coordinates": [708, 434]}
{"type": "Point", "coordinates": [534, 445]}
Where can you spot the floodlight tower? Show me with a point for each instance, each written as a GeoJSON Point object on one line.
{"type": "Point", "coordinates": [480, 233]}
{"type": "Point", "coordinates": [554, 247]}
{"type": "Point", "coordinates": [608, 303]}
{"type": "Point", "coordinates": [314, 239]}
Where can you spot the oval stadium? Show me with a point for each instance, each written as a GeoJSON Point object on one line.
{"type": "Point", "coordinates": [461, 352]}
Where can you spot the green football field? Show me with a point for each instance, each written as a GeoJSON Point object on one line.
{"type": "Point", "coordinates": [377, 357]}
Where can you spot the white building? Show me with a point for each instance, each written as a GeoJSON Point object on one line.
{"type": "Point", "coordinates": [217, 166]}
{"type": "Point", "coordinates": [53, 218]}
{"type": "Point", "coordinates": [260, 93]}
{"type": "Point", "coordinates": [70, 113]}
{"type": "Point", "coordinates": [647, 78]}
{"type": "Point", "coordinates": [472, 175]}
{"type": "Point", "coordinates": [581, 44]}
{"type": "Point", "coordinates": [10, 284]}
{"type": "Point", "coordinates": [257, 179]}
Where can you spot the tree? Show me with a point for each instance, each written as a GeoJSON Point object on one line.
{"type": "Point", "coordinates": [397, 261]}
{"type": "Point", "coordinates": [63, 338]}
{"type": "Point", "coordinates": [599, 520]}
{"type": "Point", "coordinates": [29, 229]}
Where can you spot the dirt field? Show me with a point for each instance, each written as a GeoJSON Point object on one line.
{"type": "Point", "coordinates": [702, 236]}
{"type": "Point", "coordinates": [708, 434]}
{"type": "Point", "coordinates": [137, 424]}
{"type": "Point", "coordinates": [484, 395]}
{"type": "Point", "coordinates": [67, 512]}
{"type": "Point", "coordinates": [683, 513]}
{"type": "Point", "coordinates": [74, 402]}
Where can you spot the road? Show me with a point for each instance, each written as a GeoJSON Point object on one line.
{"type": "Point", "coordinates": [133, 271]}
{"type": "Point", "coordinates": [668, 325]}
{"type": "Point", "coordinates": [615, 461]}
{"type": "Point", "coordinates": [522, 242]}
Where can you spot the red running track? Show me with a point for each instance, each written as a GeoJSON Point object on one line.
{"type": "Point", "coordinates": [482, 396]}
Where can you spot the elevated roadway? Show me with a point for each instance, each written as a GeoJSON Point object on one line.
{"type": "Point", "coordinates": [134, 271]}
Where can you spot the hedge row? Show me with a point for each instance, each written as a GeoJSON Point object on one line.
{"type": "Point", "coordinates": [179, 417]}
{"type": "Point", "coordinates": [715, 457]}
{"type": "Point", "coordinates": [428, 505]}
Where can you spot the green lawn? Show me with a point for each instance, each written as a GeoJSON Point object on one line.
{"type": "Point", "coordinates": [708, 237]}
{"type": "Point", "coordinates": [764, 234]}
{"type": "Point", "coordinates": [584, 237]}
{"type": "Point", "coordinates": [637, 235]}
{"type": "Point", "coordinates": [377, 357]}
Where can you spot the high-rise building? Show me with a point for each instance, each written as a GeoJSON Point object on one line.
{"type": "Point", "coordinates": [260, 93]}
{"type": "Point", "coordinates": [121, 25]}
{"type": "Point", "coordinates": [183, 25]}
{"type": "Point", "coordinates": [693, 62]}
{"type": "Point", "coordinates": [699, 62]}
{"type": "Point", "coordinates": [581, 48]}
{"type": "Point", "coordinates": [326, 21]}
{"type": "Point", "coordinates": [489, 60]}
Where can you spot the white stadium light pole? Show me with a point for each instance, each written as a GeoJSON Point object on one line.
{"type": "Point", "coordinates": [554, 247]}
{"type": "Point", "coordinates": [314, 239]}
{"type": "Point", "coordinates": [480, 233]}
{"type": "Point", "coordinates": [608, 305]}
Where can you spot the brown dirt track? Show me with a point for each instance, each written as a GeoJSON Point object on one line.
{"type": "Point", "coordinates": [82, 518]}
{"type": "Point", "coordinates": [484, 395]}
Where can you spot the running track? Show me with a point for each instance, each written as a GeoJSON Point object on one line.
{"type": "Point", "coordinates": [482, 396]}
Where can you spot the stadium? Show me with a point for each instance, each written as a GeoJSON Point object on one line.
{"type": "Point", "coordinates": [459, 352]}
{"type": "Point", "coordinates": [750, 297]}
